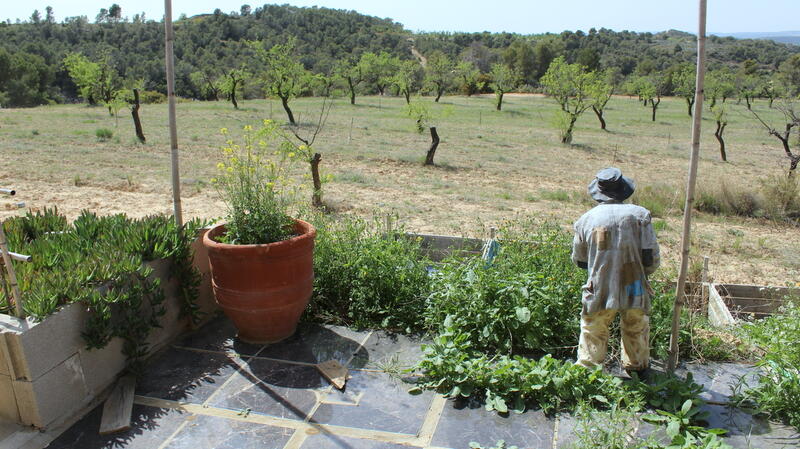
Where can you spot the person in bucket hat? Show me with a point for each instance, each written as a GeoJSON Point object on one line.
{"type": "Point", "coordinates": [616, 244]}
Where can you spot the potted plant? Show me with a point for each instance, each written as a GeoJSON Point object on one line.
{"type": "Point", "coordinates": [261, 259]}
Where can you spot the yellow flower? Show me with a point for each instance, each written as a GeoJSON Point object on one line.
{"type": "Point", "coordinates": [302, 147]}
{"type": "Point", "coordinates": [262, 143]}
{"type": "Point", "coordinates": [213, 180]}
{"type": "Point", "coordinates": [230, 169]}
{"type": "Point", "coordinates": [234, 160]}
{"type": "Point", "coordinates": [220, 165]}
{"type": "Point", "coordinates": [291, 154]}
{"type": "Point", "coordinates": [248, 128]}
{"type": "Point", "coordinates": [267, 121]}
{"type": "Point", "coordinates": [224, 130]}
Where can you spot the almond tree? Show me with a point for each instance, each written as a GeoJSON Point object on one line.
{"type": "Point", "coordinates": [600, 94]}
{"type": "Point", "coordinates": [467, 75]}
{"type": "Point", "coordinates": [791, 120]}
{"type": "Point", "coordinates": [683, 81]}
{"type": "Point", "coordinates": [439, 72]}
{"type": "Point", "coordinates": [232, 81]}
{"type": "Point", "coordinates": [352, 73]}
{"type": "Point", "coordinates": [721, 117]}
{"type": "Point", "coordinates": [572, 87]}
{"type": "Point", "coordinates": [406, 79]}
{"type": "Point", "coordinates": [283, 75]}
{"type": "Point", "coordinates": [504, 79]}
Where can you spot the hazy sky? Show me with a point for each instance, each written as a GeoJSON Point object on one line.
{"type": "Point", "coordinates": [532, 16]}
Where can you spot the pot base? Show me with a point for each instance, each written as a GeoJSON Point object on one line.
{"type": "Point", "coordinates": [256, 341]}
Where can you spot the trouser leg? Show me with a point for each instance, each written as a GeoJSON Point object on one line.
{"type": "Point", "coordinates": [635, 326]}
{"type": "Point", "coordinates": [593, 343]}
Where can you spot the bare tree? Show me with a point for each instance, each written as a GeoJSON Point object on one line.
{"type": "Point", "coordinates": [791, 121]}
{"type": "Point", "coordinates": [307, 152]}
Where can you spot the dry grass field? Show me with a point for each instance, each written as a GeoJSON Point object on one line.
{"type": "Point", "coordinates": [492, 166]}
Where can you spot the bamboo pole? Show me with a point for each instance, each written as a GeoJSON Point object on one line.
{"type": "Point", "coordinates": [12, 276]}
{"type": "Point", "coordinates": [9, 192]}
{"type": "Point", "coordinates": [680, 295]}
{"type": "Point", "coordinates": [169, 39]}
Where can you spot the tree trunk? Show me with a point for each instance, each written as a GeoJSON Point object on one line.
{"type": "Point", "coordinates": [439, 92]}
{"type": "Point", "coordinates": [316, 197]}
{"type": "Point", "coordinates": [712, 103]}
{"type": "Point", "coordinates": [718, 135]}
{"type": "Point", "coordinates": [567, 137]}
{"type": "Point", "coordinates": [434, 144]}
{"type": "Point", "coordinates": [689, 104]}
{"type": "Point", "coordinates": [654, 105]}
{"type": "Point", "coordinates": [599, 113]}
{"type": "Point", "coordinates": [407, 94]}
{"type": "Point", "coordinates": [381, 88]}
{"type": "Point", "coordinates": [352, 90]}
{"type": "Point", "coordinates": [137, 124]}
{"type": "Point", "coordinates": [747, 100]}
{"type": "Point", "coordinates": [285, 103]}
{"type": "Point", "coordinates": [499, 100]}
{"type": "Point", "coordinates": [233, 95]}
{"type": "Point", "coordinates": [771, 99]}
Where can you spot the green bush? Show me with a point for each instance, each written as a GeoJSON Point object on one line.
{"type": "Point", "coordinates": [527, 301]}
{"type": "Point", "coordinates": [368, 277]}
{"type": "Point", "coordinates": [777, 392]}
{"type": "Point", "coordinates": [103, 134]}
{"type": "Point", "coordinates": [151, 97]}
{"type": "Point", "coordinates": [98, 261]}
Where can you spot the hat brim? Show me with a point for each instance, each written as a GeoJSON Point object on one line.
{"type": "Point", "coordinates": [622, 194]}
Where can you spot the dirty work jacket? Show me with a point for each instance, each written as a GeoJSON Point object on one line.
{"type": "Point", "coordinates": [610, 238]}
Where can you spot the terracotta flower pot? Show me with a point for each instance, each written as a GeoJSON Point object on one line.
{"type": "Point", "coordinates": [263, 289]}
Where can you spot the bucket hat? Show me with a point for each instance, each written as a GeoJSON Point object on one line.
{"type": "Point", "coordinates": [609, 185]}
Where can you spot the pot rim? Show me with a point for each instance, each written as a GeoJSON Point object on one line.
{"type": "Point", "coordinates": [208, 241]}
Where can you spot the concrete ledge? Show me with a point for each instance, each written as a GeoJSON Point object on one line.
{"type": "Point", "coordinates": [47, 374]}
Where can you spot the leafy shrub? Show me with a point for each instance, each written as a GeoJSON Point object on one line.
{"type": "Point", "coordinates": [151, 97]}
{"type": "Point", "coordinates": [660, 199]}
{"type": "Point", "coordinates": [368, 277]}
{"type": "Point", "coordinates": [98, 261]}
{"type": "Point", "coordinates": [103, 134]}
{"type": "Point", "coordinates": [527, 301]}
{"type": "Point", "coordinates": [778, 390]}
{"type": "Point", "coordinates": [782, 196]}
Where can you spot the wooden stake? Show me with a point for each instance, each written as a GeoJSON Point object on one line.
{"type": "Point", "coordinates": [169, 39]}
{"type": "Point", "coordinates": [350, 136]}
{"type": "Point", "coordinates": [680, 296]}
{"type": "Point", "coordinates": [12, 276]}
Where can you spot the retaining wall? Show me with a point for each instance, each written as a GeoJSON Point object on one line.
{"type": "Point", "coordinates": [46, 372]}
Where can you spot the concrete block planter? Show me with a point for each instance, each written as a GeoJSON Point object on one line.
{"type": "Point", "coordinates": [728, 303]}
{"type": "Point", "coordinates": [46, 372]}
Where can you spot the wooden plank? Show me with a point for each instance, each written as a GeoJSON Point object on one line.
{"type": "Point", "coordinates": [118, 407]}
{"type": "Point", "coordinates": [334, 372]}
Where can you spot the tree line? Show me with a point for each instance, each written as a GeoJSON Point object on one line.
{"type": "Point", "coordinates": [349, 53]}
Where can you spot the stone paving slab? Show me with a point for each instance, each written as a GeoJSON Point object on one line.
{"type": "Point", "coordinates": [150, 427]}
{"type": "Point", "coordinates": [377, 402]}
{"type": "Point", "coordinates": [212, 391]}
{"type": "Point", "coordinates": [465, 421]}
{"type": "Point", "coordinates": [221, 433]}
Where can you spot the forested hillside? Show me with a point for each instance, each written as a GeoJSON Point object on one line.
{"type": "Point", "coordinates": [209, 46]}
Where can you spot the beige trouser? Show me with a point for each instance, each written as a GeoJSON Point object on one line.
{"type": "Point", "coordinates": [593, 344]}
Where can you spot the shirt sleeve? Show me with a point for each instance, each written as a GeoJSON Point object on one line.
{"type": "Point", "coordinates": [579, 247]}
{"type": "Point", "coordinates": [650, 242]}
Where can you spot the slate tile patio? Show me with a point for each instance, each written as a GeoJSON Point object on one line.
{"type": "Point", "coordinates": [210, 390]}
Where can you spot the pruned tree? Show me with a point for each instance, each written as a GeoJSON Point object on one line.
{"type": "Point", "coordinates": [137, 123]}
{"type": "Point", "coordinates": [468, 77]}
{"type": "Point", "coordinates": [683, 83]}
{"type": "Point", "coordinates": [352, 73]}
{"type": "Point", "coordinates": [439, 72]}
{"type": "Point", "coordinates": [406, 79]}
{"type": "Point", "coordinates": [233, 82]}
{"type": "Point", "coordinates": [378, 69]}
{"type": "Point", "coordinates": [789, 74]}
{"type": "Point", "coordinates": [791, 121]}
{"type": "Point", "coordinates": [306, 149]}
{"type": "Point", "coordinates": [504, 79]}
{"type": "Point", "coordinates": [600, 93]}
{"type": "Point", "coordinates": [424, 119]}
{"type": "Point", "coordinates": [283, 74]}
{"type": "Point", "coordinates": [721, 118]}
{"type": "Point", "coordinates": [571, 85]}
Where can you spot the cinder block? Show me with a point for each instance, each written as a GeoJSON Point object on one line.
{"type": "Point", "coordinates": [8, 402]}
{"type": "Point", "coordinates": [57, 394]}
{"type": "Point", "coordinates": [35, 348]}
{"type": "Point", "coordinates": [101, 366]}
